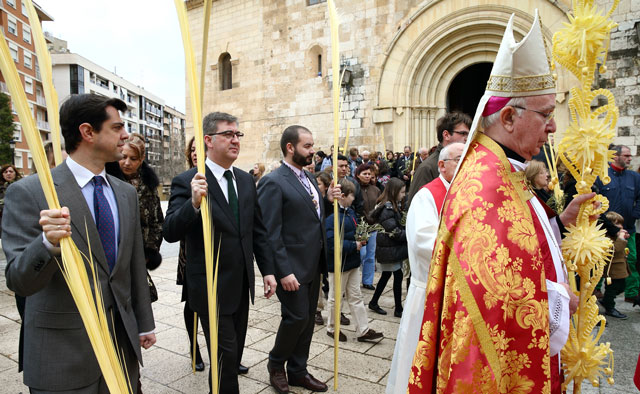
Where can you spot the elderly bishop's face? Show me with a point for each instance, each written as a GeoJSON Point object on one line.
{"type": "Point", "coordinates": [531, 129]}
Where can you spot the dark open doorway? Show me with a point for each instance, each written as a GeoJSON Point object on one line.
{"type": "Point", "coordinates": [467, 88]}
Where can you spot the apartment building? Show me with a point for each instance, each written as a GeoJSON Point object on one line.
{"type": "Point", "coordinates": [173, 145]}
{"type": "Point", "coordinates": [74, 74]}
{"type": "Point", "coordinates": [15, 26]}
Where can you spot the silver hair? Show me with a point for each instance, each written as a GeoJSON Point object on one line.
{"type": "Point", "coordinates": [488, 121]}
{"type": "Point", "coordinates": [445, 152]}
{"type": "Point", "coordinates": [423, 149]}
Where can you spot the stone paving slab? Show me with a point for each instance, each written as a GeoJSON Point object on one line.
{"type": "Point", "coordinates": [364, 366]}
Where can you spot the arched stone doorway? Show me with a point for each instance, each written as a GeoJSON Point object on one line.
{"type": "Point", "coordinates": [437, 43]}
{"type": "Point", "coordinates": [467, 88]}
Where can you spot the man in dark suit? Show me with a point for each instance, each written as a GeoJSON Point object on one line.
{"type": "Point", "coordinates": [58, 356]}
{"type": "Point", "coordinates": [237, 224]}
{"type": "Point", "coordinates": [293, 213]}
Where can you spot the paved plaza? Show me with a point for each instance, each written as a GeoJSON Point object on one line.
{"type": "Point", "coordinates": [363, 366]}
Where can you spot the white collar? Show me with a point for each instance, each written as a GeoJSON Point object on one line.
{"type": "Point", "coordinates": [217, 170]}
{"type": "Point", "coordinates": [295, 170]}
{"type": "Point", "coordinates": [82, 174]}
{"type": "Point", "coordinates": [444, 181]}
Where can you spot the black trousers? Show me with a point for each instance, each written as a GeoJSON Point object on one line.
{"type": "Point", "coordinates": [293, 340]}
{"type": "Point", "coordinates": [232, 331]}
{"type": "Point", "coordinates": [611, 291]}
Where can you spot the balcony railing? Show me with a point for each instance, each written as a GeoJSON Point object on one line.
{"type": "Point", "coordinates": [42, 125]}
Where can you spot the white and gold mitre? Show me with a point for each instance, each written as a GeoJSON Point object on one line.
{"type": "Point", "coordinates": [521, 68]}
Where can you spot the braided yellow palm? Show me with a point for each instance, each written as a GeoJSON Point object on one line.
{"type": "Point", "coordinates": [580, 46]}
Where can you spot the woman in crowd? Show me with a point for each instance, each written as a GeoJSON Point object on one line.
{"type": "Point", "coordinates": [10, 174]}
{"type": "Point", "coordinates": [538, 177]}
{"type": "Point", "coordinates": [133, 169]}
{"type": "Point", "coordinates": [390, 159]}
{"type": "Point", "coordinates": [391, 244]}
{"type": "Point", "coordinates": [258, 172]}
{"type": "Point", "coordinates": [192, 161]}
{"type": "Point", "coordinates": [370, 194]}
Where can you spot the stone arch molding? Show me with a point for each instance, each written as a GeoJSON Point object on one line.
{"type": "Point", "coordinates": [433, 45]}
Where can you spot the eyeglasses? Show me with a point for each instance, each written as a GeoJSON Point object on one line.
{"type": "Point", "coordinates": [455, 159]}
{"type": "Point", "coordinates": [462, 133]}
{"type": "Point", "coordinates": [547, 116]}
{"type": "Point", "coordinates": [229, 134]}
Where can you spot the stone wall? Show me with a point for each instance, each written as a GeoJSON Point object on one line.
{"type": "Point", "coordinates": [274, 48]}
{"type": "Point", "coordinates": [622, 77]}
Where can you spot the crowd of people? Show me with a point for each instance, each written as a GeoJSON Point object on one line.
{"type": "Point", "coordinates": [471, 223]}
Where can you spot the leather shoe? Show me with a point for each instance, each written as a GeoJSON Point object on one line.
{"type": "Point", "coordinates": [397, 313]}
{"type": "Point", "coordinates": [319, 320]}
{"type": "Point", "coordinates": [199, 367]}
{"type": "Point", "coordinates": [309, 383]}
{"type": "Point", "coordinates": [344, 320]}
{"type": "Point", "coordinates": [613, 312]}
{"type": "Point", "coordinates": [341, 336]}
{"type": "Point", "coordinates": [376, 308]}
{"type": "Point", "coordinates": [368, 287]}
{"type": "Point", "coordinates": [278, 380]}
{"type": "Point", "coordinates": [370, 335]}
{"type": "Point", "coordinates": [242, 370]}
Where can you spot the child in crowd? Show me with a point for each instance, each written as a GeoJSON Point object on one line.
{"type": "Point", "coordinates": [391, 244]}
{"type": "Point", "coordinates": [351, 275]}
{"type": "Point", "coordinates": [617, 269]}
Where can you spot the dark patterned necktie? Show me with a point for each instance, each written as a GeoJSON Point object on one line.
{"type": "Point", "coordinates": [231, 193]}
{"type": "Point", "coordinates": [104, 221]}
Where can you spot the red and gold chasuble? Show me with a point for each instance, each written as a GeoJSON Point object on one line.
{"type": "Point", "coordinates": [486, 319]}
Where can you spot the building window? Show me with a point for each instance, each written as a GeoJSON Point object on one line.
{"type": "Point", "coordinates": [76, 79]}
{"type": "Point", "coordinates": [26, 33]}
{"type": "Point", "coordinates": [28, 85]}
{"type": "Point", "coordinates": [12, 3]}
{"type": "Point", "coordinates": [24, 9]}
{"type": "Point", "coordinates": [313, 62]}
{"type": "Point", "coordinates": [314, 2]}
{"type": "Point", "coordinates": [18, 159]}
{"type": "Point", "coordinates": [13, 48]}
{"type": "Point", "coordinates": [27, 60]}
{"type": "Point", "coordinates": [224, 69]}
{"type": "Point", "coordinates": [12, 26]}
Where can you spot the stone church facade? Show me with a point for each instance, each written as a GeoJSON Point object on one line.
{"type": "Point", "coordinates": [409, 61]}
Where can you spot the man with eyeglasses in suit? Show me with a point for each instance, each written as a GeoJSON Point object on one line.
{"type": "Point", "coordinates": [238, 235]}
{"type": "Point", "coordinates": [452, 127]}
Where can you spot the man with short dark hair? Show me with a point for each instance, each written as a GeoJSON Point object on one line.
{"type": "Point", "coordinates": [354, 159]}
{"type": "Point", "coordinates": [101, 215]}
{"type": "Point", "coordinates": [404, 165]}
{"type": "Point", "coordinates": [293, 211]}
{"type": "Point", "coordinates": [238, 235]}
{"type": "Point", "coordinates": [452, 127]}
{"type": "Point", "coordinates": [343, 172]}
{"type": "Point", "coordinates": [623, 193]}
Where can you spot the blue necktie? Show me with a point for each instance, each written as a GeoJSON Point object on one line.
{"type": "Point", "coordinates": [104, 221]}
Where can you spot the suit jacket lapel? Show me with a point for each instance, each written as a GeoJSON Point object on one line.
{"type": "Point", "coordinates": [70, 195]}
{"type": "Point", "coordinates": [295, 182]}
{"type": "Point", "coordinates": [216, 192]}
